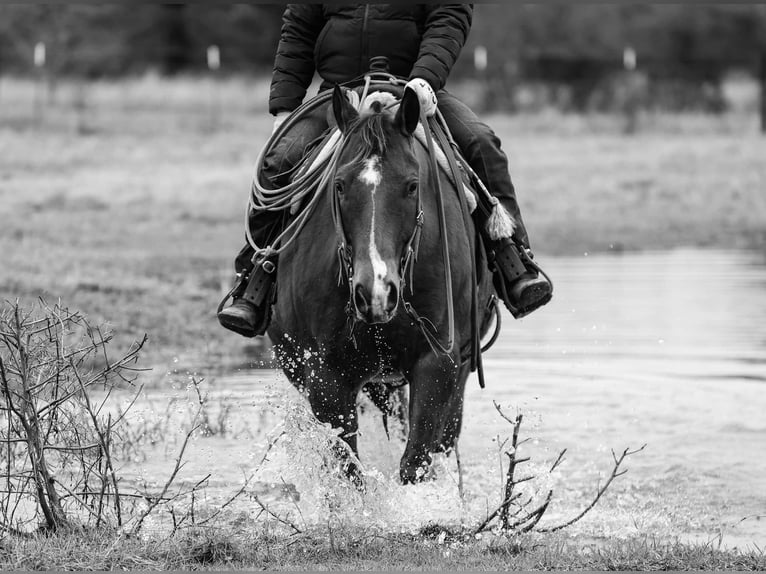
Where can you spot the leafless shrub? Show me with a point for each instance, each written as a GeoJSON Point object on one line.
{"type": "Point", "coordinates": [61, 438]}
{"type": "Point", "coordinates": [518, 516]}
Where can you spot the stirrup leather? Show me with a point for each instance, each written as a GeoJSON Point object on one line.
{"type": "Point", "coordinates": [511, 261]}
{"type": "Point", "coordinates": [260, 284]}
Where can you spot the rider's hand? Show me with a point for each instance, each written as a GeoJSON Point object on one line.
{"type": "Point", "coordinates": [426, 95]}
{"type": "Point", "coordinates": [279, 118]}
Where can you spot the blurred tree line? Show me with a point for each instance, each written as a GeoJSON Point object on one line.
{"type": "Point", "coordinates": [684, 49]}
{"type": "Point", "coordinates": [681, 52]}
{"type": "Point", "coordinates": [102, 40]}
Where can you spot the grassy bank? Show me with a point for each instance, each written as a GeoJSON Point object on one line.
{"type": "Point", "coordinates": [254, 550]}
{"type": "Point", "coordinates": [126, 200]}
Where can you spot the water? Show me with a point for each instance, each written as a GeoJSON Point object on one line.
{"type": "Point", "coordinates": [666, 349]}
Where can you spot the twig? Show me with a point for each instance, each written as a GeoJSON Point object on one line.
{"type": "Point", "coordinates": [512, 463]}
{"type": "Point", "coordinates": [559, 460]}
{"type": "Point", "coordinates": [495, 512]}
{"type": "Point", "coordinates": [535, 515]}
{"type": "Point", "coordinates": [614, 474]}
{"type": "Point", "coordinates": [271, 445]}
{"type": "Point", "coordinates": [275, 515]}
{"type": "Point", "coordinates": [460, 489]}
{"type": "Point", "coordinates": [229, 501]}
{"type": "Point", "coordinates": [155, 501]}
{"type": "Point", "coordinates": [103, 439]}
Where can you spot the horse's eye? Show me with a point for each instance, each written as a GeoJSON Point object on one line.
{"type": "Point", "coordinates": [338, 186]}
{"type": "Point", "coordinates": [412, 187]}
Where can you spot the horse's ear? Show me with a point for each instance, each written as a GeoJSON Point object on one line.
{"type": "Point", "coordinates": [344, 112]}
{"type": "Point", "coordinates": [409, 112]}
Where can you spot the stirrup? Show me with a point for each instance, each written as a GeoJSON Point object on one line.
{"type": "Point", "coordinates": [256, 287]}
{"type": "Point", "coordinates": [512, 263]}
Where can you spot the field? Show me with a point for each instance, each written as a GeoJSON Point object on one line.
{"type": "Point", "coordinates": [132, 209]}
{"type": "Point", "coordinates": [126, 201]}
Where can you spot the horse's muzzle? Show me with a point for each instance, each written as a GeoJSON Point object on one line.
{"type": "Point", "coordinates": [378, 304]}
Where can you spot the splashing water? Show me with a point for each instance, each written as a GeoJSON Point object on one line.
{"type": "Point", "coordinates": [302, 458]}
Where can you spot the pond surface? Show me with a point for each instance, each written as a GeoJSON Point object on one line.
{"type": "Point", "coordinates": [666, 349]}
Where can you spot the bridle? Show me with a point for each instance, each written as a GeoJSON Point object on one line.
{"type": "Point", "coordinates": [408, 257]}
{"type": "Point", "coordinates": [345, 249]}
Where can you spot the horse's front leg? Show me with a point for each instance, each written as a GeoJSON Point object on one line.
{"type": "Point", "coordinates": [332, 395]}
{"type": "Point", "coordinates": [435, 392]}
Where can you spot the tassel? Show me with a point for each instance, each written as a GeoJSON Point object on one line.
{"type": "Point", "coordinates": [500, 224]}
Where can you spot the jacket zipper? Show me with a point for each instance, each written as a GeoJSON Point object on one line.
{"type": "Point", "coordinates": [364, 64]}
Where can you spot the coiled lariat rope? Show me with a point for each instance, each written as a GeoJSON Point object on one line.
{"type": "Point", "coordinates": [305, 185]}
{"type": "Point", "coordinates": [311, 177]}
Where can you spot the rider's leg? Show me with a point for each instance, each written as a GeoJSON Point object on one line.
{"type": "Point", "coordinates": [517, 280]}
{"type": "Point", "coordinates": [249, 313]}
{"type": "Point", "coordinates": [253, 293]}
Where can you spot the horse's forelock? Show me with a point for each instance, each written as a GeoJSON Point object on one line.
{"type": "Point", "coordinates": [371, 130]}
{"type": "Point", "coordinates": [374, 127]}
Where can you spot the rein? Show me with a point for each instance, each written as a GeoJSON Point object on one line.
{"type": "Point", "coordinates": [427, 327]}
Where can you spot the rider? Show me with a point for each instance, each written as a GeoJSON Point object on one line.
{"type": "Point", "coordinates": [422, 43]}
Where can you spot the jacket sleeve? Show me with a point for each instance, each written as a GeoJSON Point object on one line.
{"type": "Point", "coordinates": [446, 30]}
{"type": "Point", "coordinates": [294, 61]}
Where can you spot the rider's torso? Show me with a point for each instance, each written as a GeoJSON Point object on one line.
{"type": "Point", "coordinates": [354, 33]}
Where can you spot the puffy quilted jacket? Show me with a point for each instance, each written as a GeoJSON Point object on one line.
{"type": "Point", "coordinates": [420, 40]}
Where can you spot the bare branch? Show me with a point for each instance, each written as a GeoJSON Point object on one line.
{"type": "Point", "coordinates": [495, 512]}
{"type": "Point", "coordinates": [614, 474]}
{"type": "Point", "coordinates": [275, 515]}
{"type": "Point", "coordinates": [535, 515]}
{"type": "Point", "coordinates": [558, 461]}
{"type": "Point", "coordinates": [155, 501]}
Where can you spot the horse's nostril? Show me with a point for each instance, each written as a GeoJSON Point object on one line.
{"type": "Point", "coordinates": [360, 299]}
{"type": "Point", "coordinates": [393, 297]}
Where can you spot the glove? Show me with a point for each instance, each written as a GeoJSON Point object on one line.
{"type": "Point", "coordinates": [279, 120]}
{"type": "Point", "coordinates": [425, 93]}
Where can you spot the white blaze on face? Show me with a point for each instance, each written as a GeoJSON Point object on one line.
{"type": "Point", "coordinates": [371, 176]}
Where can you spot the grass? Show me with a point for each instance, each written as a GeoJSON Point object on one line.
{"type": "Point", "coordinates": [131, 208]}
{"type": "Point", "coordinates": [257, 549]}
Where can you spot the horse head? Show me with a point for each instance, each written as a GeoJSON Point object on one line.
{"type": "Point", "coordinates": [377, 198]}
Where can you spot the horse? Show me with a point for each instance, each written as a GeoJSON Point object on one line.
{"type": "Point", "coordinates": [335, 330]}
